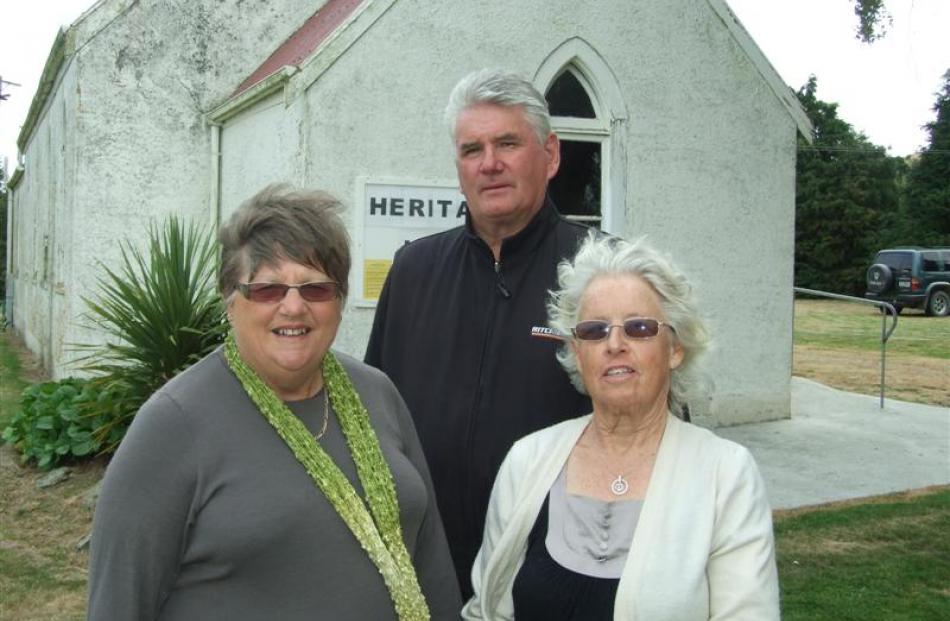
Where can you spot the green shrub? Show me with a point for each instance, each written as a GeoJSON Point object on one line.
{"type": "Point", "coordinates": [53, 424]}
{"type": "Point", "coordinates": [161, 312]}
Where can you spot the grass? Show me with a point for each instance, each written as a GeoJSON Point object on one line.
{"type": "Point", "coordinates": [11, 382]}
{"type": "Point", "coordinates": [838, 344]}
{"type": "Point", "coordinates": [852, 326]}
{"type": "Point", "coordinates": [883, 558]}
{"type": "Point", "coordinates": [42, 574]}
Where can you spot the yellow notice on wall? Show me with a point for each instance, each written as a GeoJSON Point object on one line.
{"type": "Point", "coordinates": [392, 214]}
{"type": "Point", "coordinates": [374, 275]}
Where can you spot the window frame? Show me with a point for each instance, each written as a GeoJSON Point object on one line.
{"type": "Point", "coordinates": [609, 128]}
{"type": "Point", "coordinates": [596, 130]}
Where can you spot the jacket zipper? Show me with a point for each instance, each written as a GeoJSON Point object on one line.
{"type": "Point", "coordinates": [500, 282]}
{"type": "Point", "coordinates": [505, 293]}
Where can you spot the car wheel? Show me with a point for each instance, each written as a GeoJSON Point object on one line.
{"type": "Point", "coordinates": [939, 304]}
{"type": "Point", "coordinates": [879, 278]}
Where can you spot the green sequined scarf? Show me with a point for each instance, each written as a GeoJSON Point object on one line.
{"type": "Point", "coordinates": [380, 534]}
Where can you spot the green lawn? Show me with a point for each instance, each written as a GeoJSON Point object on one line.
{"type": "Point", "coordinates": [838, 344]}
{"type": "Point", "coordinates": [888, 559]}
{"type": "Point", "coordinates": [846, 325]}
{"type": "Point", "coordinates": [11, 384]}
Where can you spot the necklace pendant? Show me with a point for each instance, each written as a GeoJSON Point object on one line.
{"type": "Point", "coordinates": [619, 486]}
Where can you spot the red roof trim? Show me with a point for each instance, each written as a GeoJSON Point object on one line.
{"type": "Point", "coordinates": [302, 43]}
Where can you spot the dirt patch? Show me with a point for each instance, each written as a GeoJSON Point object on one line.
{"type": "Point", "coordinates": [42, 573]}
{"type": "Point", "coordinates": [63, 606]}
{"type": "Point", "coordinates": [41, 529]}
{"type": "Point", "coordinates": [36, 520]}
{"type": "Point", "coordinates": [842, 547]}
{"type": "Point", "coordinates": [907, 378]}
{"type": "Point", "coordinates": [31, 369]}
{"type": "Point", "coordinates": [782, 514]}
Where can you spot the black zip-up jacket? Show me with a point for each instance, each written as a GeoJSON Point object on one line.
{"type": "Point", "coordinates": [453, 331]}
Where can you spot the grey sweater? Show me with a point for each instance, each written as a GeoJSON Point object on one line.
{"type": "Point", "coordinates": [206, 514]}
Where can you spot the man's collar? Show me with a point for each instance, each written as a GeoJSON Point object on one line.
{"type": "Point", "coordinates": [527, 238]}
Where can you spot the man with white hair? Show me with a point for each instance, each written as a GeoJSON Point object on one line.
{"type": "Point", "coordinates": [454, 321]}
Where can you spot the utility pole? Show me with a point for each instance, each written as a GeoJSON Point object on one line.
{"type": "Point", "coordinates": [5, 96]}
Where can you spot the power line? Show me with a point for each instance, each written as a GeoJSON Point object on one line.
{"type": "Point", "coordinates": [874, 150]}
{"type": "Point", "coordinates": [5, 96]}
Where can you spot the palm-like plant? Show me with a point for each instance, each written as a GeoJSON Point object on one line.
{"type": "Point", "coordinates": [160, 312]}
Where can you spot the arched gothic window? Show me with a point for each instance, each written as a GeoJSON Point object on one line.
{"type": "Point", "coordinates": [578, 188]}
{"type": "Point", "coordinates": [589, 115]}
{"type": "Point", "coordinates": [568, 97]}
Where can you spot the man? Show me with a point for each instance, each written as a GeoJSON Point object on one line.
{"type": "Point", "coordinates": [454, 320]}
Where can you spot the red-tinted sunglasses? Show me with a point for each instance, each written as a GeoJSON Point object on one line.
{"type": "Point", "coordinates": [272, 292]}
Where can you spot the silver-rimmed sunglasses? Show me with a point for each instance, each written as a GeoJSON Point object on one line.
{"type": "Point", "coordinates": [634, 328]}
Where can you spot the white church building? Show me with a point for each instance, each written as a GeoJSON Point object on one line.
{"type": "Point", "coordinates": [673, 125]}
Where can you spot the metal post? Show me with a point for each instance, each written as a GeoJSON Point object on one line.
{"type": "Point", "coordinates": [883, 352]}
{"type": "Point", "coordinates": [887, 310]}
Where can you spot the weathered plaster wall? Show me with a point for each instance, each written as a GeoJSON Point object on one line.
{"type": "Point", "coordinates": [710, 152]}
{"type": "Point", "coordinates": [122, 142]}
{"type": "Point", "coordinates": [260, 147]}
{"type": "Point", "coordinates": [44, 228]}
{"type": "Point", "coordinates": [712, 160]}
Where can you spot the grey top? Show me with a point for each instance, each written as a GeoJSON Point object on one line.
{"type": "Point", "coordinates": [206, 514]}
{"type": "Point", "coordinates": [587, 535]}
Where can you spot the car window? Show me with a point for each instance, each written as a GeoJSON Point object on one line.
{"type": "Point", "coordinates": [897, 261]}
{"type": "Point", "coordinates": [931, 261]}
{"type": "Point", "coordinates": [946, 261]}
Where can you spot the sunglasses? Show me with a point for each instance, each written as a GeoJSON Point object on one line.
{"type": "Point", "coordinates": [636, 328]}
{"type": "Point", "coordinates": [272, 292]}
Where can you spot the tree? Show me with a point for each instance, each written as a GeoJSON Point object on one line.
{"type": "Point", "coordinates": [3, 242]}
{"type": "Point", "coordinates": [160, 312]}
{"type": "Point", "coordinates": [845, 186]}
{"type": "Point", "coordinates": [928, 182]}
{"type": "Point", "coordinates": [873, 20]}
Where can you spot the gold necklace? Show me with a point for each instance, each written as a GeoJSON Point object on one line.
{"type": "Point", "coordinates": [375, 524]}
{"type": "Point", "coordinates": [326, 411]}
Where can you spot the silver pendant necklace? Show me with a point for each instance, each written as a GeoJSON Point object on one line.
{"type": "Point", "coordinates": [619, 486]}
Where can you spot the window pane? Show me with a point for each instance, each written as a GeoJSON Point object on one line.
{"type": "Point", "coordinates": [931, 261]}
{"type": "Point", "coordinates": [576, 187]}
{"type": "Point", "coordinates": [897, 261]}
{"type": "Point", "coordinates": [567, 97]}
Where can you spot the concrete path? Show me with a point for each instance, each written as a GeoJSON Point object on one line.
{"type": "Point", "coordinates": [840, 445]}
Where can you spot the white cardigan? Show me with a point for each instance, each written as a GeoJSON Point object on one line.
{"type": "Point", "coordinates": [703, 548]}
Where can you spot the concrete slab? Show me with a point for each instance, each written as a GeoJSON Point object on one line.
{"type": "Point", "coordinates": [840, 445]}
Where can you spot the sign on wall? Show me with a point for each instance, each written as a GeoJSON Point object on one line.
{"type": "Point", "coordinates": [392, 214]}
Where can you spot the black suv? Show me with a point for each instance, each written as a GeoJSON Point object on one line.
{"type": "Point", "coordinates": [914, 277]}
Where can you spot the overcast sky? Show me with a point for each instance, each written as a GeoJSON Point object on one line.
{"type": "Point", "coordinates": [885, 90]}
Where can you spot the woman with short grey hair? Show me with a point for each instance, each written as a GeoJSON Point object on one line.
{"type": "Point", "coordinates": [628, 512]}
{"type": "Point", "coordinates": [274, 478]}
{"type": "Point", "coordinates": [613, 256]}
{"type": "Point", "coordinates": [300, 225]}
